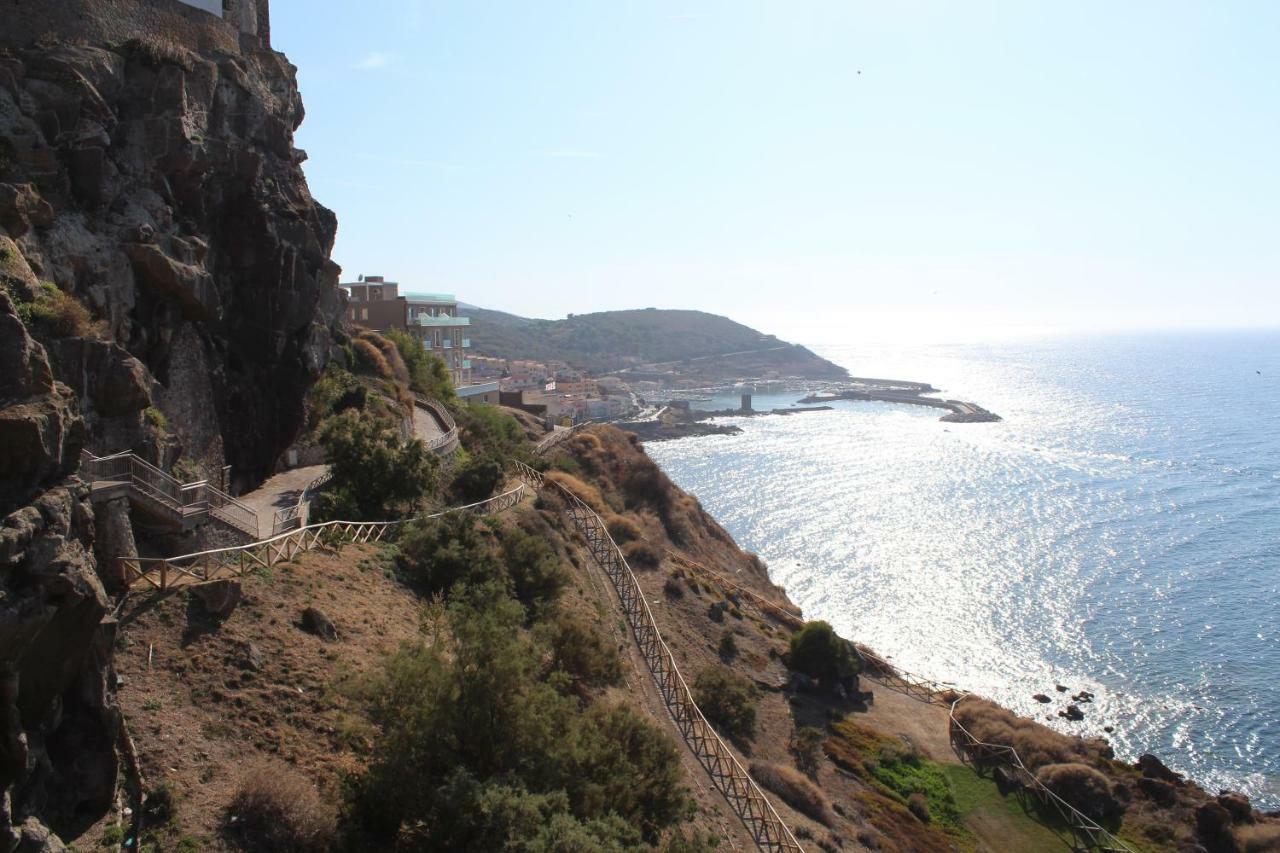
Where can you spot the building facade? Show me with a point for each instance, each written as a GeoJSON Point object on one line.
{"type": "Point", "coordinates": [430, 318]}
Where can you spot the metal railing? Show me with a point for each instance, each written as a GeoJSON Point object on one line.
{"type": "Point", "coordinates": [167, 572]}
{"type": "Point", "coordinates": [727, 774]}
{"type": "Point", "coordinates": [179, 500]}
{"type": "Point", "coordinates": [296, 515]}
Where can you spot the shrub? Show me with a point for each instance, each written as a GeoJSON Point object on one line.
{"type": "Point", "coordinates": [59, 314]}
{"type": "Point", "coordinates": [160, 806]}
{"type": "Point", "coordinates": [919, 806]}
{"type": "Point", "coordinates": [278, 810]}
{"type": "Point", "coordinates": [818, 652]}
{"type": "Point", "coordinates": [391, 353]}
{"type": "Point", "coordinates": [497, 757]}
{"type": "Point", "coordinates": [476, 479]}
{"type": "Point", "coordinates": [488, 431]}
{"type": "Point", "coordinates": [794, 789]}
{"type": "Point", "coordinates": [535, 570]}
{"type": "Point", "coordinates": [1258, 838]}
{"type": "Point", "coordinates": [1036, 745]}
{"type": "Point", "coordinates": [806, 746]}
{"type": "Point", "coordinates": [1083, 787]}
{"type": "Point", "coordinates": [672, 587]}
{"type": "Point", "coordinates": [588, 494]}
{"type": "Point", "coordinates": [622, 529]}
{"type": "Point", "coordinates": [376, 469]}
{"type": "Point", "coordinates": [692, 841]}
{"type": "Point", "coordinates": [334, 392]}
{"type": "Point", "coordinates": [728, 648]}
{"type": "Point", "coordinates": [728, 700]}
{"type": "Point", "coordinates": [159, 50]}
{"type": "Point", "coordinates": [371, 358]}
{"type": "Point", "coordinates": [642, 555]}
{"type": "Point", "coordinates": [582, 652]}
{"type": "Point", "coordinates": [156, 419]}
{"type": "Point", "coordinates": [428, 374]}
{"type": "Point", "coordinates": [436, 554]}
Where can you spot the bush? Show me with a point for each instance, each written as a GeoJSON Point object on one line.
{"type": "Point", "coordinates": [499, 760]}
{"type": "Point", "coordinates": [588, 494]}
{"type": "Point", "coordinates": [334, 392]}
{"type": "Point", "coordinates": [728, 648]}
{"type": "Point", "coordinates": [794, 789]}
{"type": "Point", "coordinates": [535, 570]}
{"type": "Point", "coordinates": [1083, 787]}
{"type": "Point", "coordinates": [622, 529]}
{"type": "Point", "coordinates": [278, 810]}
{"type": "Point", "coordinates": [581, 652]}
{"type": "Point", "coordinates": [58, 314]}
{"type": "Point", "coordinates": [391, 353]}
{"type": "Point", "coordinates": [693, 841]}
{"type": "Point", "coordinates": [1258, 838]}
{"type": "Point", "coordinates": [437, 554]}
{"type": "Point", "coordinates": [476, 479]}
{"type": "Point", "coordinates": [919, 806]}
{"type": "Point", "coordinates": [642, 555]}
{"type": "Point", "coordinates": [672, 588]}
{"type": "Point", "coordinates": [371, 358]}
{"type": "Point", "coordinates": [377, 470]}
{"type": "Point", "coordinates": [728, 700]}
{"type": "Point", "coordinates": [488, 431]}
{"type": "Point", "coordinates": [818, 652]}
{"type": "Point", "coordinates": [428, 374]}
{"type": "Point", "coordinates": [1036, 745]}
{"type": "Point", "coordinates": [806, 746]}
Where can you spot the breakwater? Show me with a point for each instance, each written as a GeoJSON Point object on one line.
{"type": "Point", "coordinates": [910, 393]}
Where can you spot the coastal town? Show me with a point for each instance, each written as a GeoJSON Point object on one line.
{"type": "Point", "coordinates": [656, 399]}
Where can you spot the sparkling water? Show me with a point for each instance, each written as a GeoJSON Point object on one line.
{"type": "Point", "coordinates": [1117, 532]}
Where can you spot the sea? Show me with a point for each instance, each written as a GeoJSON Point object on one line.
{"type": "Point", "coordinates": [1117, 532]}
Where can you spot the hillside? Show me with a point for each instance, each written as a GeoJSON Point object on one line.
{"type": "Point", "coordinates": [692, 342]}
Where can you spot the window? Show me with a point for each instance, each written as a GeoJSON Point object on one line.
{"type": "Point", "coordinates": [364, 313]}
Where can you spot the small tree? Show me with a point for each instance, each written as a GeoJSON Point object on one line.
{"type": "Point", "coordinates": [806, 747]}
{"type": "Point", "coordinates": [728, 700]}
{"type": "Point", "coordinates": [476, 479]}
{"type": "Point", "coordinates": [819, 652]}
{"type": "Point", "coordinates": [428, 374]}
{"type": "Point", "coordinates": [376, 469]}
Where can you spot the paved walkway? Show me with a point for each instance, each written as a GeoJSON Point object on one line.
{"type": "Point", "coordinates": [425, 425]}
{"type": "Point", "coordinates": [279, 492]}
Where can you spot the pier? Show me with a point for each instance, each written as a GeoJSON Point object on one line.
{"type": "Point", "coordinates": [910, 393]}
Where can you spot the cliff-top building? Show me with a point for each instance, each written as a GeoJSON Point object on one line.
{"type": "Point", "coordinates": [229, 25]}
{"type": "Point", "coordinates": [431, 318]}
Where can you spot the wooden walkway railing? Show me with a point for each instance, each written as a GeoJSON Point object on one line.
{"type": "Point", "coordinates": [166, 572]}
{"type": "Point", "coordinates": [180, 502]}
{"type": "Point", "coordinates": [728, 775]}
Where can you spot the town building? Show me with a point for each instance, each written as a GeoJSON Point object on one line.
{"type": "Point", "coordinates": [431, 318]}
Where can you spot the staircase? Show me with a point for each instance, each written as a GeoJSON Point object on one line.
{"type": "Point", "coordinates": [184, 505]}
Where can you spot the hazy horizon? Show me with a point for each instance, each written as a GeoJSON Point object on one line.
{"type": "Point", "coordinates": [934, 170]}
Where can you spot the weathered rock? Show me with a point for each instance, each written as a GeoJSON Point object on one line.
{"type": "Point", "coordinates": [22, 208]}
{"type": "Point", "coordinates": [1072, 713]}
{"type": "Point", "coordinates": [1213, 822]}
{"type": "Point", "coordinates": [1237, 805]}
{"type": "Point", "coordinates": [801, 683]}
{"type": "Point", "coordinates": [253, 657]}
{"type": "Point", "coordinates": [314, 621]}
{"type": "Point", "coordinates": [36, 838]}
{"type": "Point", "coordinates": [1160, 792]}
{"type": "Point", "coordinates": [1154, 768]}
{"type": "Point", "coordinates": [1061, 688]}
{"type": "Point", "coordinates": [113, 541]}
{"type": "Point", "coordinates": [1041, 698]}
{"type": "Point", "coordinates": [219, 597]}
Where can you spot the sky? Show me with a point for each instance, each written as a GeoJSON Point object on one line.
{"type": "Point", "coordinates": [820, 170]}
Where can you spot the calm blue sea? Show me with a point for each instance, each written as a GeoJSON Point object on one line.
{"type": "Point", "coordinates": [1118, 532]}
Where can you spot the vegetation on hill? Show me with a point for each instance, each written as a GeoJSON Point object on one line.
{"type": "Point", "coordinates": [613, 340]}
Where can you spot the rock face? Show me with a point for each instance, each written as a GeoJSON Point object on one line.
{"type": "Point", "coordinates": [158, 185]}
{"type": "Point", "coordinates": [159, 249]}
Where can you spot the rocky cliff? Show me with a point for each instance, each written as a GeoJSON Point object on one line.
{"type": "Point", "coordinates": [166, 287]}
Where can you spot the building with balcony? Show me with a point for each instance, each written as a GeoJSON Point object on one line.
{"type": "Point", "coordinates": [431, 318]}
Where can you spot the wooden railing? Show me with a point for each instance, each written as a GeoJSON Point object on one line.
{"type": "Point", "coordinates": [166, 572]}
{"type": "Point", "coordinates": [727, 774]}
{"type": "Point", "coordinates": [180, 501]}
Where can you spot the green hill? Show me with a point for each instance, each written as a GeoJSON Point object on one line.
{"type": "Point", "coordinates": [692, 342]}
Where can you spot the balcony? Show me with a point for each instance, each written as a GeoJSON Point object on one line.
{"type": "Point", "coordinates": [440, 322]}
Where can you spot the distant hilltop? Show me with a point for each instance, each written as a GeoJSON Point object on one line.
{"type": "Point", "coordinates": [692, 344]}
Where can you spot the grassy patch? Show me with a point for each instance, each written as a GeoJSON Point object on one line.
{"type": "Point", "coordinates": [989, 814]}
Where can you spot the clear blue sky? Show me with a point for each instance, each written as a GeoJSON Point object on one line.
{"type": "Point", "coordinates": [805, 167]}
